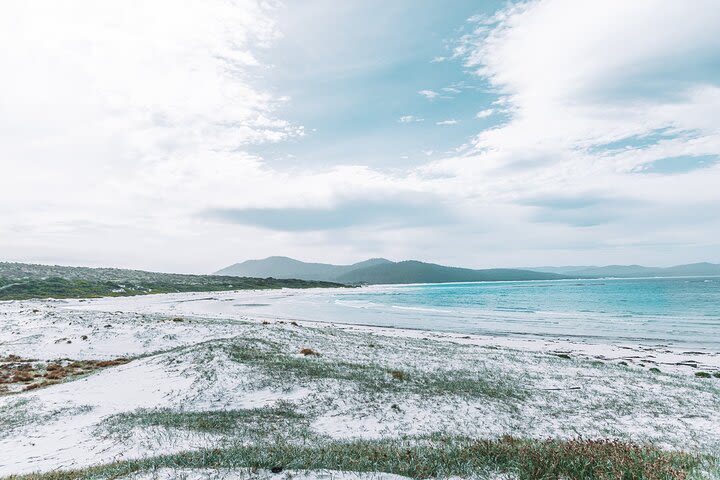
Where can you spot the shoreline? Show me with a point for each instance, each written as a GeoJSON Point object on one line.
{"type": "Point", "coordinates": [330, 383]}
{"type": "Point", "coordinates": [673, 358]}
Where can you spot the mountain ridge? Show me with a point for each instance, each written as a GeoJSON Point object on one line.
{"type": "Point", "coordinates": [626, 271]}
{"type": "Point", "coordinates": [376, 271]}
{"type": "Point", "coordinates": [382, 270]}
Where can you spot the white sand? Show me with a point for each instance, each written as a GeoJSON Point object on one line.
{"type": "Point", "coordinates": [60, 426]}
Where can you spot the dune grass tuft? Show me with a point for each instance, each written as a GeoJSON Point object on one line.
{"type": "Point", "coordinates": [429, 457]}
{"type": "Point", "coordinates": [253, 423]}
{"type": "Point", "coordinates": [279, 366]}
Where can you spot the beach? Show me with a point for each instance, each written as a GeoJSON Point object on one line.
{"type": "Point", "coordinates": [318, 382]}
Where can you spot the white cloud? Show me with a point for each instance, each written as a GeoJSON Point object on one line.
{"type": "Point", "coordinates": [128, 113]}
{"type": "Point", "coordinates": [438, 59]}
{"type": "Point", "coordinates": [447, 122]}
{"type": "Point", "coordinates": [485, 113]}
{"type": "Point", "coordinates": [577, 76]}
{"type": "Point", "coordinates": [451, 90]}
{"type": "Point", "coordinates": [123, 120]}
{"type": "Point", "coordinates": [429, 94]}
{"type": "Point", "coordinates": [410, 119]}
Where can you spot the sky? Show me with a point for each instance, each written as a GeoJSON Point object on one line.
{"type": "Point", "coordinates": [187, 136]}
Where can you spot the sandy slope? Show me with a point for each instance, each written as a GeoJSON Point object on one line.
{"type": "Point", "coordinates": [186, 363]}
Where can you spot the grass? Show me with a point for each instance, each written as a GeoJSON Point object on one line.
{"type": "Point", "coordinates": [280, 421]}
{"type": "Point", "coordinates": [23, 374]}
{"type": "Point", "coordinates": [285, 368]}
{"type": "Point", "coordinates": [19, 413]}
{"type": "Point", "coordinates": [429, 457]}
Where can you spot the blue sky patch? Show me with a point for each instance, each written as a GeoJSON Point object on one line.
{"type": "Point", "coordinates": [679, 164]}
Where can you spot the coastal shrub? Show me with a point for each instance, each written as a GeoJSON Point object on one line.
{"type": "Point", "coordinates": [37, 374]}
{"type": "Point", "coordinates": [18, 282]}
{"type": "Point", "coordinates": [702, 374]}
{"type": "Point", "coordinates": [112, 363]}
{"type": "Point", "coordinates": [654, 370]}
{"type": "Point", "coordinates": [429, 457]}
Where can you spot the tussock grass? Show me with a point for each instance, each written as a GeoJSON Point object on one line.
{"type": "Point", "coordinates": [278, 421]}
{"type": "Point", "coordinates": [430, 457]}
{"type": "Point", "coordinates": [282, 368]}
{"type": "Point", "coordinates": [19, 413]}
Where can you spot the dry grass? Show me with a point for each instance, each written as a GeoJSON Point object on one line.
{"type": "Point", "coordinates": [18, 374]}
{"type": "Point", "coordinates": [431, 457]}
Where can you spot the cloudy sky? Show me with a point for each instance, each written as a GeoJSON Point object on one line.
{"type": "Point", "coordinates": [185, 136]}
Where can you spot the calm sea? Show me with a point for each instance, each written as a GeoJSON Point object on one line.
{"type": "Point", "coordinates": [677, 312]}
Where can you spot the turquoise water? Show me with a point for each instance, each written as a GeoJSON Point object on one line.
{"type": "Point", "coordinates": [676, 312]}
{"type": "Point", "coordinates": [670, 311]}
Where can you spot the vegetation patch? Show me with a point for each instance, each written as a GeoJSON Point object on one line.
{"type": "Point", "coordinates": [18, 374]}
{"type": "Point", "coordinates": [19, 281]}
{"type": "Point", "coordinates": [280, 421]}
{"type": "Point", "coordinates": [20, 412]}
{"type": "Point", "coordinates": [279, 368]}
{"type": "Point", "coordinates": [430, 457]}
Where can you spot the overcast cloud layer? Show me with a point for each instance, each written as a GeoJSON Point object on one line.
{"type": "Point", "coordinates": [184, 136]}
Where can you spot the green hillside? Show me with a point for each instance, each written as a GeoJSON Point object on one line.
{"type": "Point", "coordinates": [378, 271]}
{"type": "Point", "coordinates": [22, 281]}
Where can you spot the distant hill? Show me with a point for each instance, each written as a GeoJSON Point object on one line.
{"type": "Point", "coordinates": [22, 281]}
{"type": "Point", "coordinates": [284, 267]}
{"type": "Point", "coordinates": [626, 271]}
{"type": "Point", "coordinates": [377, 271]}
{"type": "Point", "coordinates": [412, 271]}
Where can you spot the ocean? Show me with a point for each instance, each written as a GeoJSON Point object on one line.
{"type": "Point", "coordinates": [674, 312]}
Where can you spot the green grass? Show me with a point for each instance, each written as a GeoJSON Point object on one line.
{"type": "Point", "coordinates": [278, 422]}
{"type": "Point", "coordinates": [287, 368]}
{"type": "Point", "coordinates": [21, 412]}
{"type": "Point", "coordinates": [429, 457]}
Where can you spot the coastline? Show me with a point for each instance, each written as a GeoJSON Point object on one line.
{"type": "Point", "coordinates": [674, 359]}
{"type": "Point", "coordinates": [355, 383]}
